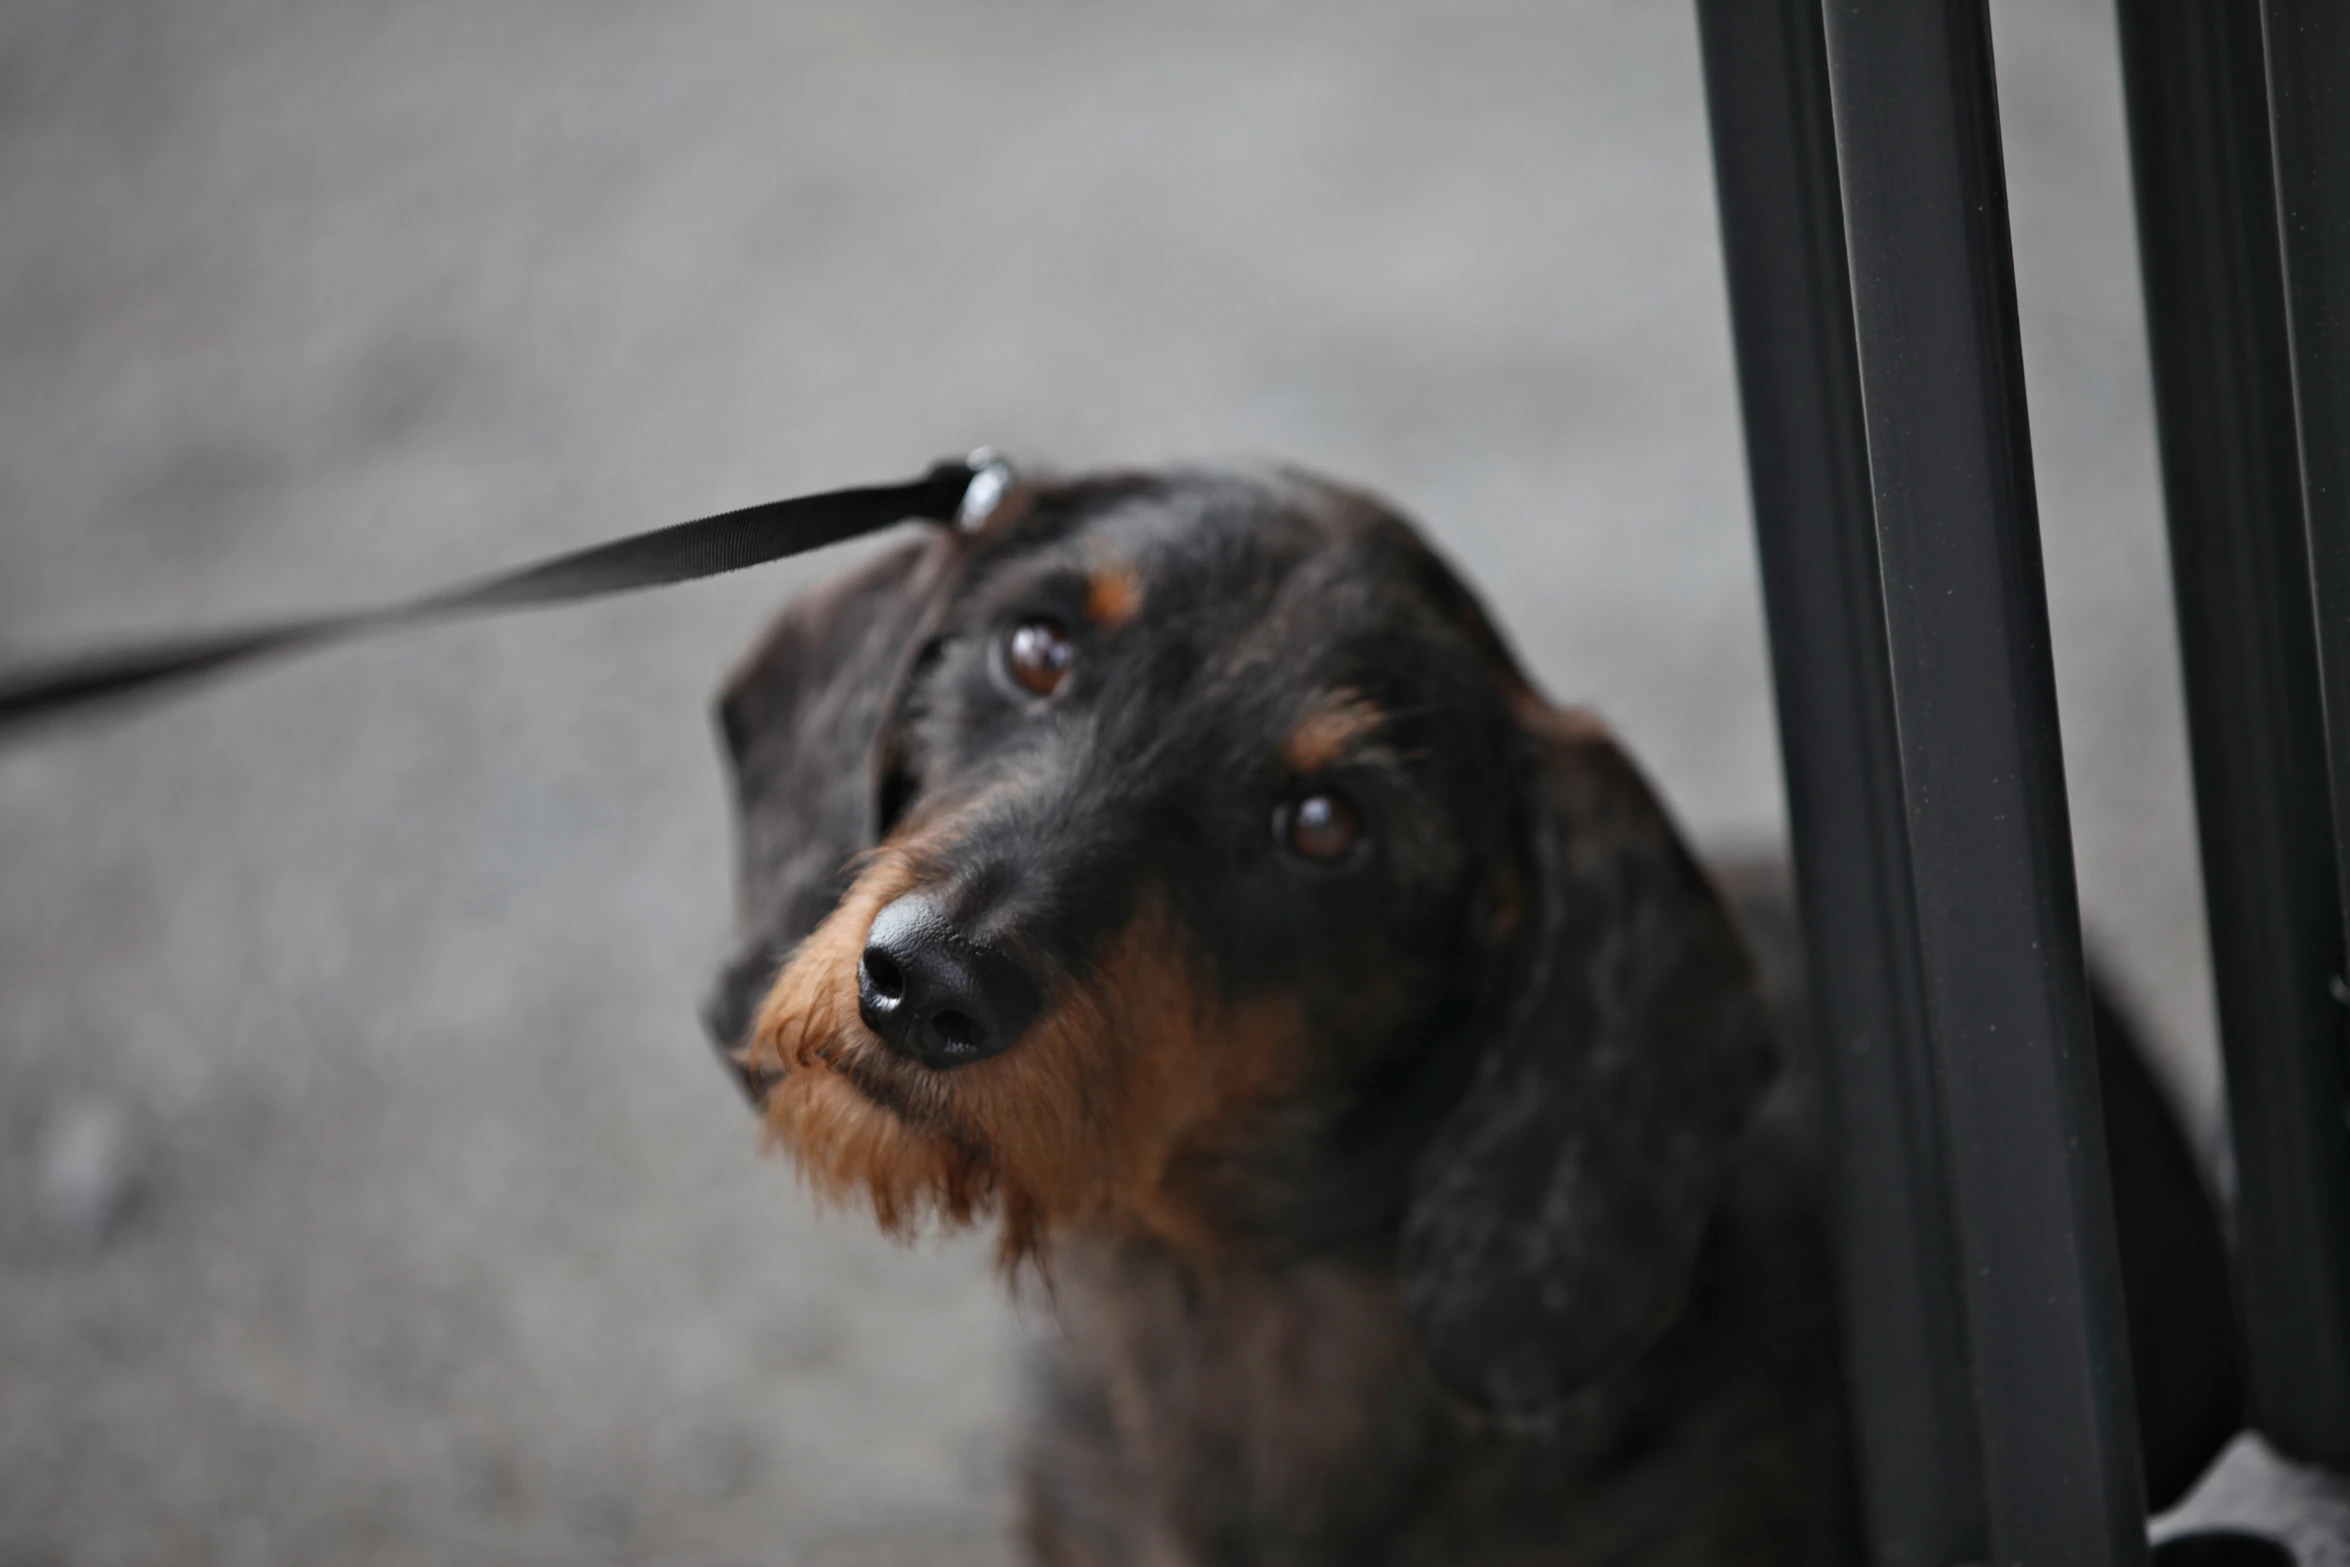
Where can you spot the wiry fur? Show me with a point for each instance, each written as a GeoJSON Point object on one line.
{"type": "Point", "coordinates": [1092, 1121]}
{"type": "Point", "coordinates": [1454, 1201]}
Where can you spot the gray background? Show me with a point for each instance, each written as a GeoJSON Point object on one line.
{"type": "Point", "coordinates": [365, 1191]}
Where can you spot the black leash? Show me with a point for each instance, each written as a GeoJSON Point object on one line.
{"type": "Point", "coordinates": [961, 491]}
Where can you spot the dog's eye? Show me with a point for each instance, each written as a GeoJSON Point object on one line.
{"type": "Point", "coordinates": [1321, 826]}
{"type": "Point", "coordinates": [1037, 655]}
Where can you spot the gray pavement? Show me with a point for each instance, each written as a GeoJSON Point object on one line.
{"type": "Point", "coordinates": [365, 1191]}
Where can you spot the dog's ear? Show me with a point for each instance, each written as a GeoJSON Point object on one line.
{"type": "Point", "coordinates": [800, 719]}
{"type": "Point", "coordinates": [1556, 1213]}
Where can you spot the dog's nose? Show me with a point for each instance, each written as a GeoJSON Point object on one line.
{"type": "Point", "coordinates": [935, 995]}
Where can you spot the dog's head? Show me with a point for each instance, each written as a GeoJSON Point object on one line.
{"type": "Point", "coordinates": [1186, 857]}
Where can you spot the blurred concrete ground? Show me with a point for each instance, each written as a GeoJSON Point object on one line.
{"type": "Point", "coordinates": [365, 1191]}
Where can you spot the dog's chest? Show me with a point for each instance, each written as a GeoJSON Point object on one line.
{"type": "Point", "coordinates": [1240, 1415]}
{"type": "Point", "coordinates": [1283, 1417]}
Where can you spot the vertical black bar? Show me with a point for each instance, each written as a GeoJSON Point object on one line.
{"type": "Point", "coordinates": [1925, 211]}
{"type": "Point", "coordinates": [2308, 57]}
{"type": "Point", "coordinates": [2307, 50]}
{"type": "Point", "coordinates": [1766, 74]}
{"type": "Point", "coordinates": [2215, 313]}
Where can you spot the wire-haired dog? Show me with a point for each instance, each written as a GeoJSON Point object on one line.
{"type": "Point", "coordinates": [1180, 871]}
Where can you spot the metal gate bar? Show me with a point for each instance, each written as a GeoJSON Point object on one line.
{"type": "Point", "coordinates": [1766, 75]}
{"type": "Point", "coordinates": [1992, 906]}
{"type": "Point", "coordinates": [1942, 377]}
{"type": "Point", "coordinates": [2307, 49]}
{"type": "Point", "coordinates": [2308, 56]}
{"type": "Point", "coordinates": [2248, 643]}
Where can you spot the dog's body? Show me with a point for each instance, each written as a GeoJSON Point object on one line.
{"type": "Point", "coordinates": [1283, 1414]}
{"type": "Point", "coordinates": [1180, 871]}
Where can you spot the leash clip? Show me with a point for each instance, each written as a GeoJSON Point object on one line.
{"type": "Point", "coordinates": [991, 477]}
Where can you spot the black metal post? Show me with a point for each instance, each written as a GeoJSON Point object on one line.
{"type": "Point", "coordinates": [2308, 58]}
{"type": "Point", "coordinates": [1766, 74]}
{"type": "Point", "coordinates": [2248, 642]}
{"type": "Point", "coordinates": [2307, 48]}
{"type": "Point", "coordinates": [1925, 211]}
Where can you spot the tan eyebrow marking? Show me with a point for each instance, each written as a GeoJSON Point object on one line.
{"type": "Point", "coordinates": [1325, 735]}
{"type": "Point", "coordinates": [1112, 595]}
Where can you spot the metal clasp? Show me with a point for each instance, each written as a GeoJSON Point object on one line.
{"type": "Point", "coordinates": [991, 477]}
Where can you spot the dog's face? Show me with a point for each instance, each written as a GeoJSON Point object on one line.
{"type": "Point", "coordinates": [1185, 858]}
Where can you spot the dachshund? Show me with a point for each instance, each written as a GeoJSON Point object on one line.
{"type": "Point", "coordinates": [1178, 872]}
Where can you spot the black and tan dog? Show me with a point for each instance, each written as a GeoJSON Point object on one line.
{"type": "Point", "coordinates": [1180, 872]}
